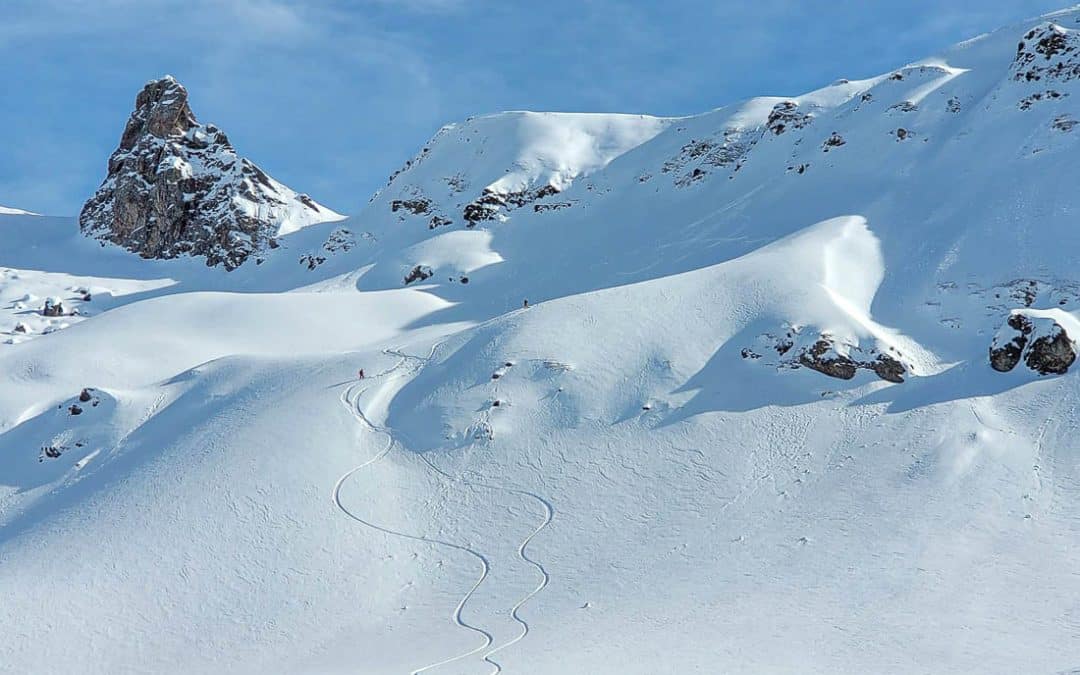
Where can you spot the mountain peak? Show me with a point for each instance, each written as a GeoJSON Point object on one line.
{"type": "Point", "coordinates": [161, 110]}
{"type": "Point", "coordinates": [177, 187]}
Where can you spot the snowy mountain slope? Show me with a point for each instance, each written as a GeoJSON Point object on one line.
{"type": "Point", "coordinates": [747, 423]}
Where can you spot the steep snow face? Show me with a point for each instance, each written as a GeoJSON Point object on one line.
{"type": "Point", "coordinates": [177, 187]}
{"type": "Point", "coordinates": [806, 364]}
{"type": "Point", "coordinates": [517, 158]}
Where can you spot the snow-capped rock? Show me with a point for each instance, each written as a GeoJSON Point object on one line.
{"type": "Point", "coordinates": [1047, 52]}
{"type": "Point", "coordinates": [177, 187]}
{"type": "Point", "coordinates": [1039, 339]}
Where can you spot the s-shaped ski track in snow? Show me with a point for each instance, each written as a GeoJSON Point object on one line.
{"type": "Point", "coordinates": [549, 514]}
{"type": "Point", "coordinates": [351, 400]}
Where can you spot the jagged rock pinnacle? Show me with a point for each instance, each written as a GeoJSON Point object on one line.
{"type": "Point", "coordinates": [177, 187]}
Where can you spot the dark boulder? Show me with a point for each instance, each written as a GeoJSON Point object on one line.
{"type": "Point", "coordinates": [1004, 355]}
{"type": "Point", "coordinates": [1051, 354]}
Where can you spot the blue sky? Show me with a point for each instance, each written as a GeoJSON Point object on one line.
{"type": "Point", "coordinates": [330, 97]}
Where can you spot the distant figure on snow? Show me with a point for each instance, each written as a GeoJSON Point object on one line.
{"type": "Point", "coordinates": [525, 304]}
{"type": "Point", "coordinates": [361, 374]}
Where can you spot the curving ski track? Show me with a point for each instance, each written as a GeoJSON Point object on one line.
{"type": "Point", "coordinates": [549, 513]}
{"type": "Point", "coordinates": [352, 402]}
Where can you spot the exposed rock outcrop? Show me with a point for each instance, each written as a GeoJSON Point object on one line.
{"type": "Point", "coordinates": [52, 307]}
{"type": "Point", "coordinates": [176, 187]}
{"type": "Point", "coordinates": [824, 354]}
{"type": "Point", "coordinates": [1047, 52]}
{"type": "Point", "coordinates": [341, 240]}
{"type": "Point", "coordinates": [491, 205]}
{"type": "Point", "coordinates": [418, 273]}
{"type": "Point", "coordinates": [787, 115]}
{"type": "Point", "coordinates": [1008, 346]}
{"type": "Point", "coordinates": [823, 357]}
{"type": "Point", "coordinates": [1037, 339]}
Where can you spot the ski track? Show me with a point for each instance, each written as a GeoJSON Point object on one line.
{"type": "Point", "coordinates": [549, 514]}
{"type": "Point", "coordinates": [351, 400]}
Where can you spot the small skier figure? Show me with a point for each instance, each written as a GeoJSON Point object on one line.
{"type": "Point", "coordinates": [525, 305]}
{"type": "Point", "coordinates": [361, 373]}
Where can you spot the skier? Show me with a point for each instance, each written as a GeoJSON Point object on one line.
{"type": "Point", "coordinates": [525, 305]}
{"type": "Point", "coordinates": [361, 374]}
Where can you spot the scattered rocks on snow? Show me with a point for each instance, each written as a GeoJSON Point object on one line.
{"type": "Point", "coordinates": [410, 163]}
{"type": "Point", "coordinates": [341, 240]}
{"type": "Point", "coordinates": [726, 149]}
{"type": "Point", "coordinates": [1030, 100]}
{"type": "Point", "coordinates": [1064, 123]}
{"type": "Point", "coordinates": [1047, 52]}
{"type": "Point", "coordinates": [457, 183]}
{"type": "Point", "coordinates": [554, 206]}
{"type": "Point", "coordinates": [903, 106]}
{"type": "Point", "coordinates": [833, 141]}
{"type": "Point", "coordinates": [491, 205]}
{"type": "Point", "coordinates": [692, 177]}
{"type": "Point", "coordinates": [438, 221]}
{"type": "Point", "coordinates": [418, 206]}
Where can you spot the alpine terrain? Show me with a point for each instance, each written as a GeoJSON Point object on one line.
{"type": "Point", "coordinates": [787, 386]}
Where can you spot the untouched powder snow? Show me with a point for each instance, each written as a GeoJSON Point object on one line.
{"type": "Point", "coordinates": [640, 395]}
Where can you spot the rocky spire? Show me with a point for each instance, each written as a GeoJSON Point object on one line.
{"type": "Point", "coordinates": [176, 187]}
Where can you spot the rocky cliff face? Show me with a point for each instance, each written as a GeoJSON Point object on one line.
{"type": "Point", "coordinates": [177, 187]}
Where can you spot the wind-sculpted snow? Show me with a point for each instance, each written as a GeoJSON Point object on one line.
{"type": "Point", "coordinates": [787, 386]}
{"type": "Point", "coordinates": [8, 211]}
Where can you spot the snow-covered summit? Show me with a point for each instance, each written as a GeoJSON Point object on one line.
{"type": "Point", "coordinates": [177, 187]}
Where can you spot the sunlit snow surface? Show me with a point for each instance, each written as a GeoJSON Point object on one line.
{"type": "Point", "coordinates": [602, 482]}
